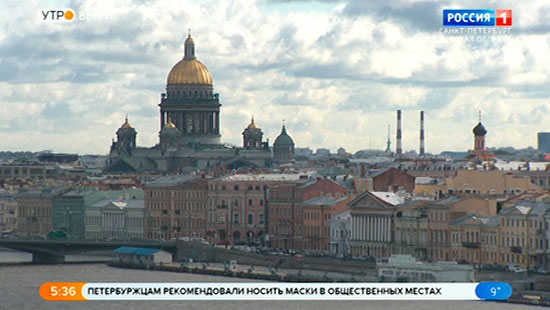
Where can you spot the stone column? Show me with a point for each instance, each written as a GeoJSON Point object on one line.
{"type": "Point", "coordinates": [389, 228]}
{"type": "Point", "coordinates": [353, 227]}
{"type": "Point", "coordinates": [196, 123]}
{"type": "Point", "coordinates": [378, 228]}
{"type": "Point", "coordinates": [217, 123]}
{"type": "Point", "coordinates": [366, 227]}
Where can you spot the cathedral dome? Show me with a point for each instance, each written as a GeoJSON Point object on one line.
{"type": "Point", "coordinates": [283, 140]}
{"type": "Point", "coordinates": [252, 125]}
{"type": "Point", "coordinates": [479, 130]}
{"type": "Point", "coordinates": [189, 70]}
{"type": "Point", "coordinates": [126, 124]}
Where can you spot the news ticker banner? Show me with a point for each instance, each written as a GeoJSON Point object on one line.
{"type": "Point", "coordinates": [81, 291]}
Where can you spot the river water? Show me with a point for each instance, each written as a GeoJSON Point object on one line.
{"type": "Point", "coordinates": [19, 286]}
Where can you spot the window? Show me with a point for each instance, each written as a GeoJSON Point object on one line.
{"type": "Point", "coordinates": [236, 202]}
{"type": "Point", "coordinates": [236, 187]}
{"type": "Point", "coordinates": [250, 219]}
{"type": "Point", "coordinates": [223, 187]}
{"type": "Point", "coordinates": [261, 202]}
{"type": "Point", "coordinates": [261, 218]}
{"type": "Point", "coordinates": [249, 202]}
{"type": "Point", "coordinates": [235, 218]}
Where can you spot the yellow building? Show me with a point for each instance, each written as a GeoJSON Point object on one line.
{"type": "Point", "coordinates": [474, 239]}
{"type": "Point", "coordinates": [523, 239]}
{"type": "Point", "coordinates": [411, 229]}
{"type": "Point", "coordinates": [488, 182]}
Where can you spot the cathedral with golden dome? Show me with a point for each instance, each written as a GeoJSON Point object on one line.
{"type": "Point", "coordinates": [189, 136]}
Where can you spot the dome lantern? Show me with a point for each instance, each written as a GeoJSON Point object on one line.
{"type": "Point", "coordinates": [189, 50]}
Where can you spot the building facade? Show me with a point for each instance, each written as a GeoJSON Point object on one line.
{"type": "Point", "coordinates": [372, 226]}
{"type": "Point", "coordinates": [68, 209]}
{"type": "Point", "coordinates": [524, 235]}
{"type": "Point", "coordinates": [120, 219]}
{"type": "Point", "coordinates": [317, 213]}
{"type": "Point", "coordinates": [176, 207]}
{"type": "Point", "coordinates": [285, 211]}
{"type": "Point", "coordinates": [34, 213]}
{"type": "Point", "coordinates": [237, 207]}
{"type": "Point", "coordinates": [8, 213]}
{"type": "Point", "coordinates": [340, 232]}
{"type": "Point", "coordinates": [411, 229]}
{"type": "Point", "coordinates": [543, 142]}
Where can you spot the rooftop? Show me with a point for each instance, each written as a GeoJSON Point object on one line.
{"type": "Point", "coordinates": [121, 204]}
{"type": "Point", "coordinates": [260, 177]}
{"type": "Point", "coordinates": [323, 200]}
{"type": "Point", "coordinates": [172, 181]}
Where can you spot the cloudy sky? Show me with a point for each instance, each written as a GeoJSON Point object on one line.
{"type": "Point", "coordinates": [335, 70]}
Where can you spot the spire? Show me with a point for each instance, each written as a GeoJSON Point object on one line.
{"type": "Point", "coordinates": [284, 128]}
{"type": "Point", "coordinates": [189, 47]}
{"type": "Point", "coordinates": [479, 115]}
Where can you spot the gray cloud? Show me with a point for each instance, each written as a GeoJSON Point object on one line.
{"type": "Point", "coordinates": [88, 74]}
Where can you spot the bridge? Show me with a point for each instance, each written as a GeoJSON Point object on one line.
{"type": "Point", "coordinates": [54, 251]}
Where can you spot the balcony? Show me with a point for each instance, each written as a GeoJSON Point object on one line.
{"type": "Point", "coordinates": [221, 207]}
{"type": "Point", "coordinates": [516, 249]}
{"type": "Point", "coordinates": [471, 245]}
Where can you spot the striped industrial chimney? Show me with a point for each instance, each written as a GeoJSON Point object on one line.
{"type": "Point", "coordinates": [421, 133]}
{"type": "Point", "coordinates": [398, 148]}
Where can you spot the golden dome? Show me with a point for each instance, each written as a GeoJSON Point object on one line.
{"type": "Point", "coordinates": [169, 124]}
{"type": "Point", "coordinates": [126, 123]}
{"type": "Point", "coordinates": [252, 125]}
{"type": "Point", "coordinates": [189, 71]}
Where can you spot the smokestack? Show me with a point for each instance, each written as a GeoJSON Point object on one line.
{"type": "Point", "coordinates": [398, 148]}
{"type": "Point", "coordinates": [421, 133]}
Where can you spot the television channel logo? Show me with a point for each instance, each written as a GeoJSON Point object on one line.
{"type": "Point", "coordinates": [477, 18]}
{"type": "Point", "coordinates": [63, 15]}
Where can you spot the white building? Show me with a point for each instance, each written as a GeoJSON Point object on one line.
{"type": "Point", "coordinates": [115, 219]}
{"type": "Point", "coordinates": [141, 256]}
{"type": "Point", "coordinates": [406, 268]}
{"type": "Point", "coordinates": [340, 232]}
{"type": "Point", "coordinates": [371, 225]}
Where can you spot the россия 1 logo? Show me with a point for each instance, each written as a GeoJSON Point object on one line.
{"type": "Point", "coordinates": [477, 18]}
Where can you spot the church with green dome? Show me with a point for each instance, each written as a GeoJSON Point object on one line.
{"type": "Point", "coordinates": [189, 135]}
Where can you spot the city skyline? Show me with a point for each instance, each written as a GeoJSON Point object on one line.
{"type": "Point", "coordinates": [333, 67]}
